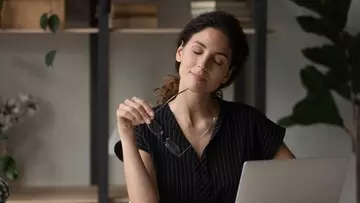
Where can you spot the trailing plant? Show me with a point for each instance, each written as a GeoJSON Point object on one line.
{"type": "Point", "coordinates": [334, 68]}
{"type": "Point", "coordinates": [50, 21]}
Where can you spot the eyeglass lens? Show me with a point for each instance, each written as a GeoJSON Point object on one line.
{"type": "Point", "coordinates": [173, 148]}
{"type": "Point", "coordinates": [155, 128]}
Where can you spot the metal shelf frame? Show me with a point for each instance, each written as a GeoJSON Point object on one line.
{"type": "Point", "coordinates": [99, 85]}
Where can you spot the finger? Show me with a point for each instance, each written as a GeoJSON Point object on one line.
{"type": "Point", "coordinates": [145, 105]}
{"type": "Point", "coordinates": [121, 113]}
{"type": "Point", "coordinates": [128, 106]}
{"type": "Point", "coordinates": [145, 116]}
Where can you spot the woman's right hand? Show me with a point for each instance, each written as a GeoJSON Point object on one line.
{"type": "Point", "coordinates": [133, 112]}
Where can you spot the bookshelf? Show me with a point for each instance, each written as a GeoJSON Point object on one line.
{"type": "Point", "coordinates": [73, 194]}
{"type": "Point", "coordinates": [249, 31]}
{"type": "Point", "coordinates": [98, 31]}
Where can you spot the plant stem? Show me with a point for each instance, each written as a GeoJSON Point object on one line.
{"type": "Point", "coordinates": [357, 155]}
{"type": "Point", "coordinates": [352, 137]}
{"type": "Point", "coordinates": [352, 99]}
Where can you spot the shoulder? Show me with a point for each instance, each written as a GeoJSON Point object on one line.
{"type": "Point", "coordinates": [246, 114]}
{"type": "Point", "coordinates": [237, 109]}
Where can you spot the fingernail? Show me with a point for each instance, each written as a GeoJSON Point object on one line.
{"type": "Point", "coordinates": [148, 121]}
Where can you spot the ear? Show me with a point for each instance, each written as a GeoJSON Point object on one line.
{"type": "Point", "coordinates": [179, 52]}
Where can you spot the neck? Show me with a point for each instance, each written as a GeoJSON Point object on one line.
{"type": "Point", "coordinates": [194, 108]}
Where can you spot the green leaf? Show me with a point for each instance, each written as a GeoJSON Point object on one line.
{"type": "Point", "coordinates": [312, 79]}
{"type": "Point", "coordinates": [9, 168]}
{"type": "Point", "coordinates": [315, 6]}
{"type": "Point", "coordinates": [330, 56]}
{"type": "Point", "coordinates": [318, 26]}
{"type": "Point", "coordinates": [286, 122]}
{"type": "Point", "coordinates": [44, 21]}
{"type": "Point", "coordinates": [4, 161]}
{"type": "Point", "coordinates": [353, 44]}
{"type": "Point", "coordinates": [354, 50]}
{"type": "Point", "coordinates": [334, 11]}
{"type": "Point", "coordinates": [49, 58]}
{"type": "Point", "coordinates": [11, 172]}
{"type": "Point", "coordinates": [357, 102]}
{"type": "Point", "coordinates": [337, 12]}
{"type": "Point", "coordinates": [318, 106]}
{"type": "Point", "coordinates": [355, 78]}
{"type": "Point", "coordinates": [54, 23]}
{"type": "Point", "coordinates": [339, 82]}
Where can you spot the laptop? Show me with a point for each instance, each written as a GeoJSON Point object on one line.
{"type": "Point", "coordinates": [310, 180]}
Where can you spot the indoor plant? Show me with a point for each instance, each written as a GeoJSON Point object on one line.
{"type": "Point", "coordinates": [12, 112]}
{"type": "Point", "coordinates": [334, 68]}
{"type": "Point", "coordinates": [341, 59]}
{"type": "Point", "coordinates": [48, 20]}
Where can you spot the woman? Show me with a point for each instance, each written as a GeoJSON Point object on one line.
{"type": "Point", "coordinates": [192, 149]}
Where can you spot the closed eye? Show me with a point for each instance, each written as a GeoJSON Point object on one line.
{"type": "Point", "coordinates": [218, 63]}
{"type": "Point", "coordinates": [219, 60]}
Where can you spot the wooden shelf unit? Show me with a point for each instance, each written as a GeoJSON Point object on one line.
{"type": "Point", "coordinates": [248, 31]}
{"type": "Point", "coordinates": [99, 155]}
{"type": "Point", "coordinates": [74, 194]}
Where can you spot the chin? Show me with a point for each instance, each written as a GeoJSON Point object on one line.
{"type": "Point", "coordinates": [200, 88]}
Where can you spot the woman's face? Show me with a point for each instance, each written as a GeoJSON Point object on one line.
{"type": "Point", "coordinates": [204, 61]}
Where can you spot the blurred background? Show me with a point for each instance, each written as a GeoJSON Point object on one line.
{"type": "Point", "coordinates": [52, 147]}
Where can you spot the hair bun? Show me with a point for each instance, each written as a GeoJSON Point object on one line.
{"type": "Point", "coordinates": [169, 88]}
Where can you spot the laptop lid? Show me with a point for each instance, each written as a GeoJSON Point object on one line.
{"type": "Point", "coordinates": [310, 180]}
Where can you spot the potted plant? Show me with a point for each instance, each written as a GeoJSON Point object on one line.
{"type": "Point", "coordinates": [340, 57]}
{"type": "Point", "coordinates": [12, 112]}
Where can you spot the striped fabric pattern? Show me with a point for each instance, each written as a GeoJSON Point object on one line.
{"type": "Point", "coordinates": [241, 133]}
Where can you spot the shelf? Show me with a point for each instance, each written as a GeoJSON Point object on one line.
{"type": "Point", "coordinates": [66, 194]}
{"type": "Point", "coordinates": [147, 30]}
{"type": "Point", "coordinates": [95, 30]}
{"type": "Point", "coordinates": [92, 30]}
{"type": "Point", "coordinates": [40, 31]}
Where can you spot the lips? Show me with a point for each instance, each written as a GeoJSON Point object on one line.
{"type": "Point", "coordinates": [199, 77]}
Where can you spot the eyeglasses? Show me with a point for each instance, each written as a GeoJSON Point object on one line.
{"type": "Point", "coordinates": [157, 130]}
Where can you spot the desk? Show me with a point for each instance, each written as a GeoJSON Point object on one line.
{"type": "Point", "coordinates": [77, 194]}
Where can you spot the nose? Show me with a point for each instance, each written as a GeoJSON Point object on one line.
{"type": "Point", "coordinates": [202, 64]}
{"type": "Point", "coordinates": [200, 69]}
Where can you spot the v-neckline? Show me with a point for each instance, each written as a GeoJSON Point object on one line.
{"type": "Point", "coordinates": [177, 135]}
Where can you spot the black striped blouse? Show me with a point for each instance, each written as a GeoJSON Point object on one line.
{"type": "Point", "coordinates": [241, 133]}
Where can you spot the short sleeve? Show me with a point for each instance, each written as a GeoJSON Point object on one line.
{"type": "Point", "coordinates": [141, 142]}
{"type": "Point", "coordinates": [268, 137]}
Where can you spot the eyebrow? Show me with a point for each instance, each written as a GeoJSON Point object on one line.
{"type": "Point", "coordinates": [203, 45]}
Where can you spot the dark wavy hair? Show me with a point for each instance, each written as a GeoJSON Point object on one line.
{"type": "Point", "coordinates": [227, 24]}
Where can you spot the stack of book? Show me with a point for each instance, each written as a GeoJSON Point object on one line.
{"type": "Point", "coordinates": [133, 14]}
{"type": "Point", "coordinates": [239, 8]}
